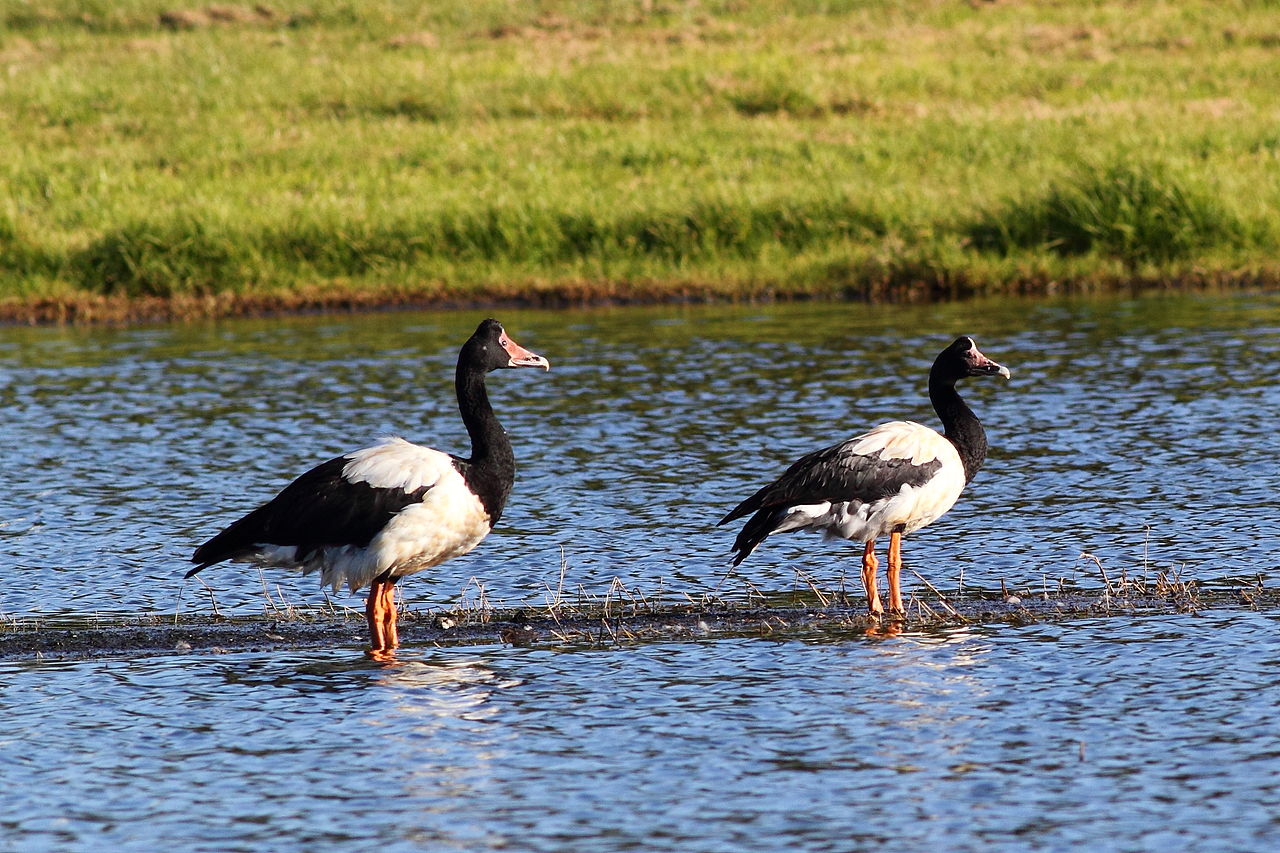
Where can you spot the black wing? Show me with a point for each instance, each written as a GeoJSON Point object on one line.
{"type": "Point", "coordinates": [318, 509]}
{"type": "Point", "coordinates": [834, 474]}
{"type": "Point", "coordinates": [837, 474]}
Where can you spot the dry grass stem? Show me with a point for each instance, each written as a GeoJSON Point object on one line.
{"type": "Point", "coordinates": [213, 602]}
{"type": "Point", "coordinates": [813, 587]}
{"type": "Point", "coordinates": [942, 599]}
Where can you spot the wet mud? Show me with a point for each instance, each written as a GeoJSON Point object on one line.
{"type": "Point", "coordinates": [96, 309]}
{"type": "Point", "coordinates": [564, 627]}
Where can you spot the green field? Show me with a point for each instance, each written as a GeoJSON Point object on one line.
{"type": "Point", "coordinates": [223, 154]}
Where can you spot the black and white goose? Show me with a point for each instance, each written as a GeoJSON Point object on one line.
{"type": "Point", "coordinates": [892, 480]}
{"type": "Point", "coordinates": [376, 515]}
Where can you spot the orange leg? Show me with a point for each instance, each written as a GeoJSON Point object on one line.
{"type": "Point", "coordinates": [390, 638]}
{"type": "Point", "coordinates": [379, 612]}
{"type": "Point", "coordinates": [373, 615]}
{"type": "Point", "coordinates": [894, 572]}
{"type": "Point", "coordinates": [869, 568]}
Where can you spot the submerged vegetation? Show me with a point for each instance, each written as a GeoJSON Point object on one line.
{"type": "Point", "coordinates": [327, 150]}
{"type": "Point", "coordinates": [570, 616]}
{"type": "Point", "coordinates": [623, 617]}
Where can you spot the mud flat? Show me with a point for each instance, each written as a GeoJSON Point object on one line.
{"type": "Point", "coordinates": [595, 627]}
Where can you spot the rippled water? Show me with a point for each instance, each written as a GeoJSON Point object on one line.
{"type": "Point", "coordinates": [1160, 734]}
{"type": "Point", "coordinates": [1139, 430]}
{"type": "Point", "coordinates": [1130, 428]}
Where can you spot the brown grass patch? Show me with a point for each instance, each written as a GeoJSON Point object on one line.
{"type": "Point", "coordinates": [150, 46]}
{"type": "Point", "coordinates": [1214, 107]}
{"type": "Point", "coordinates": [548, 28]}
{"type": "Point", "coordinates": [422, 39]}
{"type": "Point", "coordinates": [18, 51]}
{"type": "Point", "coordinates": [194, 19]}
{"type": "Point", "coordinates": [1046, 38]}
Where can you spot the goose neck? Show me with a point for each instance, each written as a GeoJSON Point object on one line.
{"type": "Point", "coordinates": [960, 425]}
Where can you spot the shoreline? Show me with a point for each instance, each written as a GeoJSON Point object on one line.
{"type": "Point", "coordinates": [90, 309]}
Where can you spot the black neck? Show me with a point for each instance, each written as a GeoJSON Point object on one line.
{"type": "Point", "coordinates": [960, 425]}
{"type": "Point", "coordinates": [492, 467]}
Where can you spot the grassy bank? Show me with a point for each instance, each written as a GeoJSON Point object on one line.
{"type": "Point", "coordinates": [217, 157]}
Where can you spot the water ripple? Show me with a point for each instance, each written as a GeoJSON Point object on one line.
{"type": "Point", "coordinates": [1138, 430]}
{"type": "Point", "coordinates": [1103, 734]}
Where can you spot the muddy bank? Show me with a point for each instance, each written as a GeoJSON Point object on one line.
{"type": "Point", "coordinates": [562, 628]}
{"type": "Point", "coordinates": [93, 309]}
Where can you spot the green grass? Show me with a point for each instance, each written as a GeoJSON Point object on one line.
{"type": "Point", "coordinates": [1136, 213]}
{"type": "Point", "coordinates": [475, 149]}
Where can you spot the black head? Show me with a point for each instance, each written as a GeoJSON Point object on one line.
{"type": "Point", "coordinates": [963, 359]}
{"type": "Point", "coordinates": [490, 348]}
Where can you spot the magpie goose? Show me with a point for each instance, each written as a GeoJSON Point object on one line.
{"type": "Point", "coordinates": [892, 480]}
{"type": "Point", "coordinates": [376, 515]}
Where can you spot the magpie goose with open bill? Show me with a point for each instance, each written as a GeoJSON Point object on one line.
{"type": "Point", "coordinates": [892, 480]}
{"type": "Point", "coordinates": [376, 515]}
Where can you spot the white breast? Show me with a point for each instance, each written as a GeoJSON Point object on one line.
{"type": "Point", "coordinates": [448, 523]}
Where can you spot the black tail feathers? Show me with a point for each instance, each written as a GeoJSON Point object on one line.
{"type": "Point", "coordinates": [755, 530]}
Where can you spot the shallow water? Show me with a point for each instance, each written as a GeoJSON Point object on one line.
{"type": "Point", "coordinates": [1132, 429]}
{"type": "Point", "coordinates": [1139, 430]}
{"type": "Point", "coordinates": [1138, 736]}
